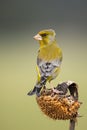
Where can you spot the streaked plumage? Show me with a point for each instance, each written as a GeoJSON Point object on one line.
{"type": "Point", "coordinates": [48, 60]}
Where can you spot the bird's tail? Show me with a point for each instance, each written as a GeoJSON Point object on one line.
{"type": "Point", "coordinates": [37, 88]}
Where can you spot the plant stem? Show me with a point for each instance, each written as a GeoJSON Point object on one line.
{"type": "Point", "coordinates": [72, 125]}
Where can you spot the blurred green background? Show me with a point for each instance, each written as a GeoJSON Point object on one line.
{"type": "Point", "coordinates": [19, 21]}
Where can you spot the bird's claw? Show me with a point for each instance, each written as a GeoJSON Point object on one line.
{"type": "Point", "coordinates": [57, 91]}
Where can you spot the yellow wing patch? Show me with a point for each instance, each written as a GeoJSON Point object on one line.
{"type": "Point", "coordinates": [38, 74]}
{"type": "Point", "coordinates": [54, 75]}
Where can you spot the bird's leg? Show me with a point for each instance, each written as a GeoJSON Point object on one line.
{"type": "Point", "coordinates": [55, 90]}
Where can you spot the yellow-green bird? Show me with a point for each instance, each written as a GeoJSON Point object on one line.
{"type": "Point", "coordinates": [48, 60]}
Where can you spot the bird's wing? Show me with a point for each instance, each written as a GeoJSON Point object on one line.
{"type": "Point", "coordinates": [47, 68]}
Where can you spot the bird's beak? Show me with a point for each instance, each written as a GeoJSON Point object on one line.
{"type": "Point", "coordinates": [37, 37]}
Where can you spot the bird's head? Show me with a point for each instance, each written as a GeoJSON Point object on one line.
{"type": "Point", "coordinates": [45, 37]}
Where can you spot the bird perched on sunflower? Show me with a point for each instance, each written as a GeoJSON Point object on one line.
{"type": "Point", "coordinates": [48, 60]}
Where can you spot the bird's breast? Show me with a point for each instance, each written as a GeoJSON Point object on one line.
{"type": "Point", "coordinates": [50, 53]}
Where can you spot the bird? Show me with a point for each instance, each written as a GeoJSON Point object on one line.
{"type": "Point", "coordinates": [49, 59]}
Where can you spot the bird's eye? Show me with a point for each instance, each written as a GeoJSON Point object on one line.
{"type": "Point", "coordinates": [44, 35]}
